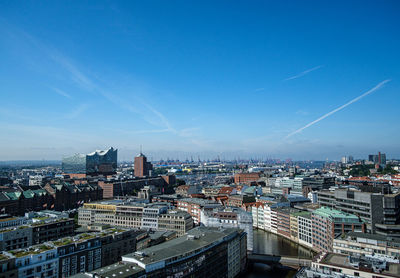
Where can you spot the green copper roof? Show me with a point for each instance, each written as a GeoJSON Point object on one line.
{"type": "Point", "coordinates": [335, 214]}
{"type": "Point", "coordinates": [29, 194]}
{"type": "Point", "coordinates": [13, 195]}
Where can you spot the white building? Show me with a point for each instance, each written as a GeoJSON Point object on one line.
{"type": "Point", "coordinates": [230, 218]}
{"type": "Point", "coordinates": [305, 229]}
{"type": "Point", "coordinates": [313, 196]}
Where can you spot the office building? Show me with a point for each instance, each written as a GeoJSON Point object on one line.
{"type": "Point", "coordinates": [142, 168]}
{"type": "Point", "coordinates": [135, 215]}
{"type": "Point", "coordinates": [318, 183]}
{"type": "Point", "coordinates": [34, 233]}
{"type": "Point", "coordinates": [304, 228]}
{"type": "Point", "coordinates": [362, 244]}
{"type": "Point", "coordinates": [379, 158]}
{"type": "Point", "coordinates": [203, 252]}
{"type": "Point", "coordinates": [178, 221]}
{"type": "Point", "coordinates": [373, 208]}
{"type": "Point", "coordinates": [338, 265]}
{"type": "Point", "coordinates": [117, 270]}
{"type": "Point", "coordinates": [328, 223]}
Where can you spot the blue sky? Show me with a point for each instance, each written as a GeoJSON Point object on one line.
{"type": "Point", "coordinates": [228, 78]}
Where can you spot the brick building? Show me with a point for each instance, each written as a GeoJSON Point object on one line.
{"type": "Point", "coordinates": [142, 168]}
{"type": "Point", "coordinates": [246, 178]}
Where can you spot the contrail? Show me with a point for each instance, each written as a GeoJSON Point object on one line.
{"type": "Point", "coordinates": [377, 87]}
{"type": "Point", "coordinates": [302, 73]}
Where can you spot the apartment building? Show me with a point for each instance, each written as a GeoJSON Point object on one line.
{"type": "Point", "coordinates": [36, 232]}
{"type": "Point", "coordinates": [194, 206]}
{"type": "Point", "coordinates": [71, 255]}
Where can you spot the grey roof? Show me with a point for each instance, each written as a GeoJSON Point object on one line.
{"type": "Point", "coordinates": [196, 239]}
{"type": "Point", "coordinates": [198, 201]}
{"type": "Point", "coordinates": [373, 236]}
{"type": "Point", "coordinates": [120, 270]}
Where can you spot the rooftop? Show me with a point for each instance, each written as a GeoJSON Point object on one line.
{"type": "Point", "coordinates": [120, 270]}
{"type": "Point", "coordinates": [198, 201]}
{"type": "Point", "coordinates": [345, 261]}
{"type": "Point", "coordinates": [33, 250]}
{"type": "Point", "coordinates": [373, 237]}
{"type": "Point", "coordinates": [195, 240]}
{"type": "Point", "coordinates": [334, 213]}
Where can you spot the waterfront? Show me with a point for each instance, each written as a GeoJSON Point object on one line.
{"type": "Point", "coordinates": [268, 243]}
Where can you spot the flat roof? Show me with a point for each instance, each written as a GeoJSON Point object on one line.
{"type": "Point", "coordinates": [202, 237]}
{"type": "Point", "coordinates": [120, 270]}
{"type": "Point", "coordinates": [373, 236]}
{"type": "Point", "coordinates": [343, 261]}
{"type": "Point", "coordinates": [334, 213]}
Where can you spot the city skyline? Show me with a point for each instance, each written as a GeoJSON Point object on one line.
{"type": "Point", "coordinates": [305, 81]}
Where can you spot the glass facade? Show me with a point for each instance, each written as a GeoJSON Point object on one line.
{"type": "Point", "coordinates": [98, 162]}
{"type": "Point", "coordinates": [74, 164]}
{"type": "Point", "coordinates": [104, 162]}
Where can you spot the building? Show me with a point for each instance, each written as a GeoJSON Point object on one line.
{"type": "Point", "coordinates": [51, 229]}
{"type": "Point", "coordinates": [120, 270]}
{"type": "Point", "coordinates": [338, 265]}
{"type": "Point", "coordinates": [32, 233]}
{"type": "Point", "coordinates": [313, 196]}
{"type": "Point", "coordinates": [102, 162]}
{"type": "Point", "coordinates": [283, 221]}
{"type": "Point", "coordinates": [71, 255]}
{"type": "Point", "coordinates": [328, 223]}
{"type": "Point", "coordinates": [239, 201]}
{"type": "Point", "coordinates": [318, 183]}
{"type": "Point", "coordinates": [304, 228]}
{"type": "Point", "coordinates": [142, 168]}
{"type": "Point", "coordinates": [379, 158]}
{"type": "Point", "coordinates": [132, 214]}
{"type": "Point", "coordinates": [362, 244]}
{"type": "Point", "coordinates": [203, 252]}
{"type": "Point", "coordinates": [7, 266]}
{"type": "Point", "coordinates": [74, 164]}
{"type": "Point", "coordinates": [95, 163]}
{"type": "Point", "coordinates": [194, 206]}
{"type": "Point", "coordinates": [373, 208]}
{"type": "Point", "coordinates": [246, 178]}
{"type": "Point", "coordinates": [230, 218]}
{"type": "Point", "coordinates": [178, 221]}
{"type": "Point", "coordinates": [128, 187]}
{"type": "Point", "coordinates": [68, 195]}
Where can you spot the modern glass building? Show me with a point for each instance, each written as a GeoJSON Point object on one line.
{"type": "Point", "coordinates": [104, 162]}
{"type": "Point", "coordinates": [97, 162]}
{"type": "Point", "coordinates": [74, 164]}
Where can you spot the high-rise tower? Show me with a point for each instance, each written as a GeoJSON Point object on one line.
{"type": "Point", "coordinates": [142, 168]}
